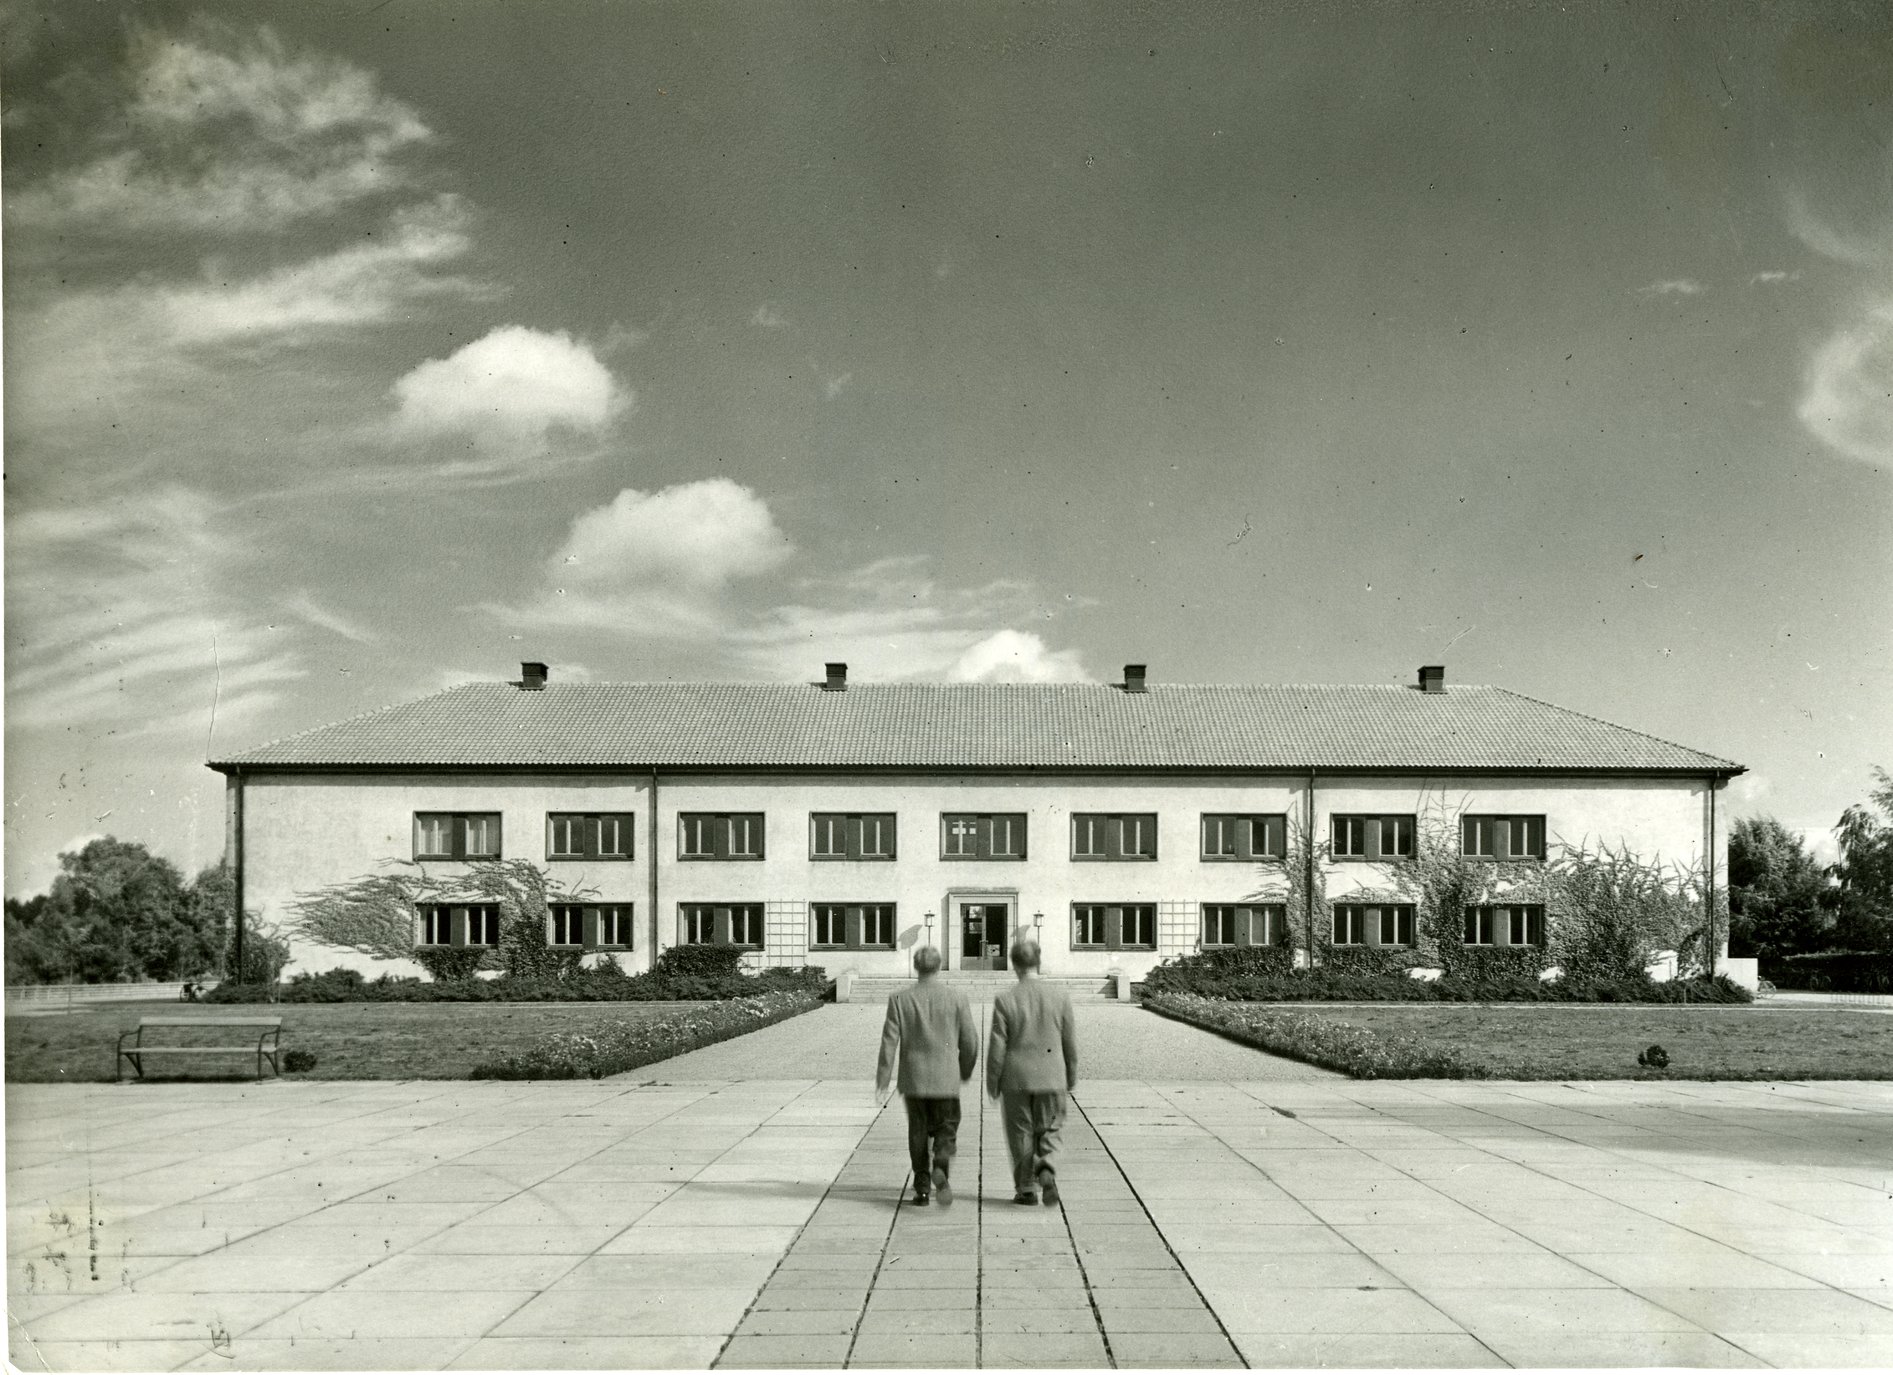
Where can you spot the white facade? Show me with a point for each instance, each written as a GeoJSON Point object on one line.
{"type": "Point", "coordinates": [303, 830]}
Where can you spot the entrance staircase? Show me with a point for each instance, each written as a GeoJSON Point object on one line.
{"type": "Point", "coordinates": [980, 985]}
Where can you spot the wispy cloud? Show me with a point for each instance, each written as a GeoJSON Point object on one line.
{"type": "Point", "coordinates": [1673, 286]}
{"type": "Point", "coordinates": [1772, 278]}
{"type": "Point", "coordinates": [1847, 388]}
{"type": "Point", "coordinates": [767, 317]}
{"type": "Point", "coordinates": [835, 386]}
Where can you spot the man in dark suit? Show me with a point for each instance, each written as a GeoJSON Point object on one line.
{"type": "Point", "coordinates": [1031, 1064]}
{"type": "Point", "coordinates": [930, 1031]}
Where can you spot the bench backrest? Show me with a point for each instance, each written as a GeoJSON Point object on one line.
{"type": "Point", "coordinates": [210, 1021]}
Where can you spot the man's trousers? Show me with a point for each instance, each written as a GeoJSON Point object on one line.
{"type": "Point", "coordinates": [933, 1126]}
{"type": "Point", "coordinates": [1032, 1124]}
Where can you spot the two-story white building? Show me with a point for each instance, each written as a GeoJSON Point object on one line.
{"type": "Point", "coordinates": [839, 824]}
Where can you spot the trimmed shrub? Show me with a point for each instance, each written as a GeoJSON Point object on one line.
{"type": "Point", "coordinates": [608, 984]}
{"type": "Point", "coordinates": [448, 963]}
{"type": "Point", "coordinates": [298, 1061]}
{"type": "Point", "coordinates": [699, 961]}
{"type": "Point", "coordinates": [1838, 971]}
{"type": "Point", "coordinates": [1322, 1040]}
{"type": "Point", "coordinates": [631, 1044]}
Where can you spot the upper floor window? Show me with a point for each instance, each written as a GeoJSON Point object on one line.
{"type": "Point", "coordinates": [1244, 835]}
{"type": "Point", "coordinates": [1101, 835]}
{"type": "Point", "coordinates": [711, 923]}
{"type": "Point", "coordinates": [589, 835]}
{"type": "Point", "coordinates": [456, 835]}
{"type": "Point", "coordinates": [1373, 923]}
{"type": "Point", "coordinates": [1502, 837]}
{"type": "Point", "coordinates": [594, 927]}
{"type": "Point", "coordinates": [719, 835]}
{"type": "Point", "coordinates": [851, 926]}
{"type": "Point", "coordinates": [1113, 926]}
{"type": "Point", "coordinates": [456, 924]}
{"type": "Point", "coordinates": [982, 835]}
{"type": "Point", "coordinates": [1372, 837]}
{"type": "Point", "coordinates": [1244, 923]}
{"type": "Point", "coordinates": [851, 835]}
{"type": "Point", "coordinates": [1505, 924]}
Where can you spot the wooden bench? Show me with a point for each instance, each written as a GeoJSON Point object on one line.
{"type": "Point", "coordinates": [266, 1030]}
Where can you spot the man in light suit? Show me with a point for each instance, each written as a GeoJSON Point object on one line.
{"type": "Point", "coordinates": [930, 1031]}
{"type": "Point", "coordinates": [1031, 1064]}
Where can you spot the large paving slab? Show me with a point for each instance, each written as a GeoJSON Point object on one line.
{"type": "Point", "coordinates": [671, 1219]}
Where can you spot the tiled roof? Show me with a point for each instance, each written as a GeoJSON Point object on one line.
{"type": "Point", "coordinates": [979, 725]}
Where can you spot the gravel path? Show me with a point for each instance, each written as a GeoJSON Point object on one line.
{"type": "Point", "coordinates": [1115, 1041]}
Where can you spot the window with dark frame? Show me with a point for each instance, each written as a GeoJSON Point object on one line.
{"type": "Point", "coordinates": [456, 835]}
{"type": "Point", "coordinates": [590, 835]}
{"type": "Point", "coordinates": [1479, 925]}
{"type": "Point", "coordinates": [437, 925]}
{"type": "Point", "coordinates": [982, 835]}
{"type": "Point", "coordinates": [568, 924]}
{"type": "Point", "coordinates": [459, 924]}
{"type": "Point", "coordinates": [717, 923]}
{"type": "Point", "coordinates": [1502, 923]}
{"type": "Point", "coordinates": [719, 835]}
{"type": "Point", "coordinates": [1244, 923]}
{"type": "Point", "coordinates": [1502, 837]}
{"type": "Point", "coordinates": [851, 835]}
{"type": "Point", "coordinates": [1371, 837]}
{"type": "Point", "coordinates": [1114, 835]}
{"type": "Point", "coordinates": [592, 926]}
{"type": "Point", "coordinates": [1350, 924]}
{"type": "Point", "coordinates": [1375, 923]}
{"type": "Point", "coordinates": [1113, 926]}
{"type": "Point", "coordinates": [851, 926]}
{"type": "Point", "coordinates": [1242, 835]}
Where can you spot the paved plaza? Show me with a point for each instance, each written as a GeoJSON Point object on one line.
{"type": "Point", "coordinates": [1221, 1208]}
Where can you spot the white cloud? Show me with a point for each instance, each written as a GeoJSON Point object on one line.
{"type": "Point", "coordinates": [697, 535]}
{"type": "Point", "coordinates": [1674, 286]}
{"type": "Point", "coordinates": [304, 607]}
{"type": "Point", "coordinates": [1771, 278]}
{"type": "Point", "coordinates": [1847, 396]}
{"type": "Point", "coordinates": [1017, 656]}
{"type": "Point", "coordinates": [767, 317]}
{"type": "Point", "coordinates": [230, 133]}
{"type": "Point", "coordinates": [515, 385]}
{"type": "Point", "coordinates": [835, 386]}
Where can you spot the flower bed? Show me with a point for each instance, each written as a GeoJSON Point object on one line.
{"type": "Point", "coordinates": [627, 1045]}
{"type": "Point", "coordinates": [1320, 1040]}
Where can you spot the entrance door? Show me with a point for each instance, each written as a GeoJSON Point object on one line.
{"type": "Point", "coordinates": [983, 933]}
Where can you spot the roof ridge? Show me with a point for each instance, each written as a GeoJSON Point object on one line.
{"type": "Point", "coordinates": [1630, 730]}
{"type": "Point", "coordinates": [294, 736]}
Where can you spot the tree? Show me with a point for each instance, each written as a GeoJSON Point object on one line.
{"type": "Point", "coordinates": [116, 913]}
{"type": "Point", "coordinates": [1778, 896]}
{"type": "Point", "coordinates": [1865, 870]}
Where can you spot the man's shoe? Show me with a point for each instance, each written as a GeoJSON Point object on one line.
{"type": "Point", "coordinates": [921, 1200]}
{"type": "Point", "coordinates": [941, 1188]}
{"type": "Point", "coordinates": [1048, 1188]}
{"type": "Point", "coordinates": [1029, 1200]}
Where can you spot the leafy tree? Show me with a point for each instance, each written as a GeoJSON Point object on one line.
{"type": "Point", "coordinates": [116, 913]}
{"type": "Point", "coordinates": [1778, 895]}
{"type": "Point", "coordinates": [1865, 870]}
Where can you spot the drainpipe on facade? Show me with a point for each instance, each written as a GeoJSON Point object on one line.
{"type": "Point", "coordinates": [1308, 866]}
{"type": "Point", "coordinates": [653, 865]}
{"type": "Point", "coordinates": [1709, 883]}
{"type": "Point", "coordinates": [236, 866]}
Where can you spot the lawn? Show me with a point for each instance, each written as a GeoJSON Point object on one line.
{"type": "Point", "coordinates": [349, 1040]}
{"type": "Point", "coordinates": [1562, 1041]}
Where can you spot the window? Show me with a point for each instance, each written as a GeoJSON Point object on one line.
{"type": "Point", "coordinates": [456, 835]}
{"type": "Point", "coordinates": [1244, 923]}
{"type": "Point", "coordinates": [1098, 835]}
{"type": "Point", "coordinates": [1372, 837]}
{"type": "Point", "coordinates": [852, 926]}
{"type": "Point", "coordinates": [1502, 837]}
{"type": "Point", "coordinates": [591, 927]}
{"type": "Point", "coordinates": [445, 923]}
{"type": "Point", "coordinates": [589, 835]}
{"type": "Point", "coordinates": [1506, 924]}
{"type": "Point", "coordinates": [719, 835]}
{"type": "Point", "coordinates": [982, 835]}
{"type": "Point", "coordinates": [851, 835]}
{"type": "Point", "coordinates": [1113, 926]}
{"type": "Point", "coordinates": [1233, 836]}
{"type": "Point", "coordinates": [1373, 923]}
{"type": "Point", "coordinates": [738, 923]}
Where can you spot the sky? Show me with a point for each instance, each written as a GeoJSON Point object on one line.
{"type": "Point", "coordinates": [356, 350]}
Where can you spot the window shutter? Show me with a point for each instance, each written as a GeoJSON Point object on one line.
{"type": "Point", "coordinates": [720, 929]}
{"type": "Point", "coordinates": [457, 925]}
{"type": "Point", "coordinates": [1241, 934]}
{"type": "Point", "coordinates": [588, 928]}
{"type": "Point", "coordinates": [1114, 928]}
{"type": "Point", "coordinates": [855, 934]}
{"type": "Point", "coordinates": [1501, 926]}
{"type": "Point", "coordinates": [498, 844]}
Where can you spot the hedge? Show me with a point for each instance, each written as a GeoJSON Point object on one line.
{"type": "Point", "coordinates": [1262, 975]}
{"type": "Point", "coordinates": [1839, 971]}
{"type": "Point", "coordinates": [1320, 1040]}
{"type": "Point", "coordinates": [629, 1045]}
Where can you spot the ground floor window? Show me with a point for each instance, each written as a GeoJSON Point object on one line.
{"type": "Point", "coordinates": [851, 926]}
{"type": "Point", "coordinates": [1359, 923]}
{"type": "Point", "coordinates": [1244, 923]}
{"type": "Point", "coordinates": [456, 924]}
{"type": "Point", "coordinates": [716, 923]}
{"type": "Point", "coordinates": [1350, 924]}
{"type": "Point", "coordinates": [1506, 924]}
{"type": "Point", "coordinates": [591, 926]}
{"type": "Point", "coordinates": [1113, 926]}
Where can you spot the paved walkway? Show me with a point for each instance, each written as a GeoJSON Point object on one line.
{"type": "Point", "coordinates": [753, 1220]}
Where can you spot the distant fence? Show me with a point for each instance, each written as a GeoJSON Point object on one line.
{"type": "Point", "coordinates": [28, 997]}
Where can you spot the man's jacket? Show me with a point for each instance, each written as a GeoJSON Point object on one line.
{"type": "Point", "coordinates": [1034, 1043]}
{"type": "Point", "coordinates": [930, 1030]}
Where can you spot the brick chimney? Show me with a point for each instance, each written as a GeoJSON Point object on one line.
{"type": "Point", "coordinates": [1133, 677]}
{"type": "Point", "coordinates": [837, 678]}
{"type": "Point", "coordinates": [533, 677]}
{"type": "Point", "coordinates": [1433, 678]}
